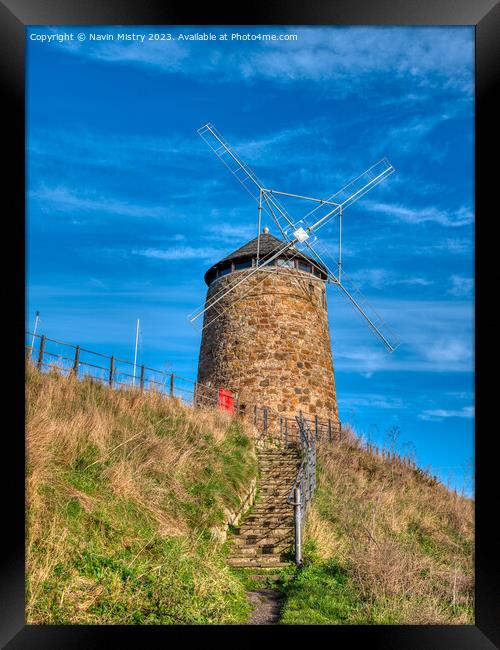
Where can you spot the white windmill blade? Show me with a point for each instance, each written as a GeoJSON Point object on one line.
{"type": "Point", "coordinates": [226, 290]}
{"type": "Point", "coordinates": [321, 214]}
{"type": "Point", "coordinates": [356, 299]}
{"type": "Point", "coordinates": [240, 170]}
{"type": "Point", "coordinates": [374, 320]}
{"type": "Point", "coordinates": [218, 312]}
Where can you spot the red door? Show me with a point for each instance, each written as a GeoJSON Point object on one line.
{"type": "Point", "coordinates": [226, 400]}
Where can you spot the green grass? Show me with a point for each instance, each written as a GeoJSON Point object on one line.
{"type": "Point", "coordinates": [124, 533]}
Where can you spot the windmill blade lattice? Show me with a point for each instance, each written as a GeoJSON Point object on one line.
{"type": "Point", "coordinates": [299, 235]}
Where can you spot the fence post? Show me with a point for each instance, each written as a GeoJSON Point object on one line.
{"type": "Point", "coordinates": [316, 426]}
{"type": "Point", "coordinates": [255, 415]}
{"type": "Point", "coordinates": [329, 430]}
{"type": "Point", "coordinates": [40, 352]}
{"type": "Point", "coordinates": [298, 532]}
{"type": "Point", "coordinates": [142, 378]}
{"type": "Point", "coordinates": [238, 405]}
{"type": "Point", "coordinates": [286, 432]}
{"type": "Point", "coordinates": [172, 384]}
{"type": "Point", "coordinates": [194, 393]}
{"type": "Point", "coordinates": [76, 362]}
{"type": "Point", "coordinates": [111, 371]}
{"type": "Point", "coordinates": [265, 420]}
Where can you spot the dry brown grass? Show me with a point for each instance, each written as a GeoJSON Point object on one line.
{"type": "Point", "coordinates": [406, 540]}
{"type": "Point", "coordinates": [110, 474]}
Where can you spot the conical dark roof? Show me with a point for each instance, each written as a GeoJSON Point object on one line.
{"type": "Point", "coordinates": [269, 244]}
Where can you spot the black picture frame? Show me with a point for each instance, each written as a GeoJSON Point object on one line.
{"type": "Point", "coordinates": [15, 15]}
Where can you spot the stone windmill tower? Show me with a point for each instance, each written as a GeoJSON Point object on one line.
{"type": "Point", "coordinates": [265, 320]}
{"type": "Point", "coordinates": [268, 339]}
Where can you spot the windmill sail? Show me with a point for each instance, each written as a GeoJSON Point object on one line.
{"type": "Point", "coordinates": [360, 303]}
{"type": "Point", "coordinates": [243, 173]}
{"type": "Point", "coordinates": [299, 235]}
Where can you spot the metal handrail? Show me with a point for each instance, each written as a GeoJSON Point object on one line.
{"type": "Point", "coordinates": [304, 485]}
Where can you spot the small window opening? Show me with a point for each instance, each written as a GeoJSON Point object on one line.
{"type": "Point", "coordinates": [245, 264]}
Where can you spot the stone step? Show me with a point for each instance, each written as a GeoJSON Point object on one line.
{"type": "Point", "coordinates": [265, 577]}
{"type": "Point", "coordinates": [267, 522]}
{"type": "Point", "coordinates": [278, 473]}
{"type": "Point", "coordinates": [269, 516]}
{"type": "Point", "coordinates": [278, 462]}
{"type": "Point", "coordinates": [277, 489]}
{"type": "Point", "coordinates": [262, 561]}
{"type": "Point", "coordinates": [273, 506]}
{"type": "Point", "coordinates": [265, 549]}
{"type": "Point", "coordinates": [281, 514]}
{"type": "Point", "coordinates": [255, 541]}
{"type": "Point", "coordinates": [278, 453]}
{"type": "Point", "coordinates": [265, 531]}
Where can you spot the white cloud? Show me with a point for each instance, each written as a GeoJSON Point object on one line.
{"type": "Point", "coordinates": [440, 414]}
{"type": "Point", "coordinates": [347, 55]}
{"type": "Point", "coordinates": [378, 278]}
{"type": "Point", "coordinates": [461, 286]}
{"type": "Point", "coordinates": [436, 336]}
{"type": "Point", "coordinates": [65, 199]}
{"type": "Point", "coordinates": [454, 219]}
{"type": "Point", "coordinates": [453, 246]}
{"type": "Point", "coordinates": [181, 253]}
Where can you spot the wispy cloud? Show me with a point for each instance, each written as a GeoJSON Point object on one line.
{"type": "Point", "coordinates": [463, 216]}
{"type": "Point", "coordinates": [452, 246]}
{"type": "Point", "coordinates": [461, 286]}
{"type": "Point", "coordinates": [68, 200]}
{"type": "Point", "coordinates": [439, 56]}
{"type": "Point", "coordinates": [439, 414]}
{"type": "Point", "coordinates": [436, 336]}
{"type": "Point", "coordinates": [380, 277]}
{"type": "Point", "coordinates": [181, 253]}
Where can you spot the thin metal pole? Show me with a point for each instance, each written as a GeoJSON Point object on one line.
{"type": "Point", "coordinates": [135, 352]}
{"type": "Point", "coordinates": [172, 385]}
{"type": "Point", "coordinates": [37, 318]}
{"type": "Point", "coordinates": [76, 362]}
{"type": "Point", "coordinates": [142, 377]}
{"type": "Point", "coordinates": [316, 426]}
{"type": "Point", "coordinates": [258, 228]}
{"type": "Point", "coordinates": [40, 352]}
{"type": "Point", "coordinates": [298, 532]}
{"type": "Point", "coordinates": [111, 371]}
{"type": "Point", "coordinates": [255, 415]}
{"type": "Point", "coordinates": [286, 432]}
{"type": "Point", "coordinates": [340, 244]}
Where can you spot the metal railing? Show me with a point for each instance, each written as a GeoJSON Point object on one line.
{"type": "Point", "coordinates": [284, 431]}
{"type": "Point", "coordinates": [303, 488]}
{"type": "Point", "coordinates": [49, 354]}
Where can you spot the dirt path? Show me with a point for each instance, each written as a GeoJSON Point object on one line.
{"type": "Point", "coordinates": [266, 604]}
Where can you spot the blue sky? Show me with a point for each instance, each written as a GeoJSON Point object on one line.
{"type": "Point", "coordinates": [127, 207]}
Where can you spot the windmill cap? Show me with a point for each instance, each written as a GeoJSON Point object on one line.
{"type": "Point", "coordinates": [268, 245]}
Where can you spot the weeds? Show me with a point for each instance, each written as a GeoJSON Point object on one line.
{"type": "Point", "coordinates": [123, 491]}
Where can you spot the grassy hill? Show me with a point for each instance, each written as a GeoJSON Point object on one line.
{"type": "Point", "coordinates": [125, 501]}
{"type": "Point", "coordinates": [125, 493]}
{"type": "Point", "coordinates": [386, 544]}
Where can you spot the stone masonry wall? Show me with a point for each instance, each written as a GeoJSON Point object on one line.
{"type": "Point", "coordinates": [271, 345]}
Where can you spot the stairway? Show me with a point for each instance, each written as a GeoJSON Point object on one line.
{"type": "Point", "coordinates": [267, 533]}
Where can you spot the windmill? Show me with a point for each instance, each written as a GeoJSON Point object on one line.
{"type": "Point", "coordinates": [300, 235]}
